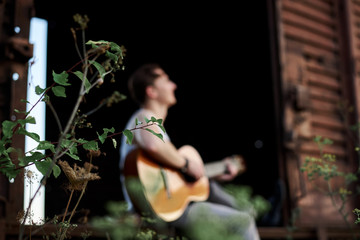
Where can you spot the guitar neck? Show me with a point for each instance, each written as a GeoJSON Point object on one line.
{"type": "Point", "coordinates": [214, 169]}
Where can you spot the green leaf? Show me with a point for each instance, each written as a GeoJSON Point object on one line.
{"type": "Point", "coordinates": [82, 78]}
{"type": "Point", "coordinates": [44, 166]}
{"type": "Point", "coordinates": [95, 44]}
{"type": "Point", "coordinates": [103, 136]}
{"type": "Point", "coordinates": [92, 43]}
{"type": "Point", "coordinates": [159, 135]}
{"type": "Point", "coordinates": [32, 135]}
{"type": "Point", "coordinates": [162, 128]}
{"type": "Point", "coordinates": [66, 143]}
{"type": "Point", "coordinates": [111, 56]}
{"type": "Point", "coordinates": [129, 136]}
{"type": "Point", "coordinates": [39, 90]}
{"type": "Point", "coordinates": [11, 150]}
{"type": "Point", "coordinates": [45, 145]}
{"type": "Point", "coordinates": [115, 47]}
{"type": "Point", "coordinates": [73, 156]}
{"type": "Point", "coordinates": [146, 120]}
{"type": "Point", "coordinates": [46, 98]}
{"type": "Point", "coordinates": [99, 67]}
{"type": "Point", "coordinates": [4, 150]}
{"type": "Point", "coordinates": [71, 146]}
{"type": "Point", "coordinates": [91, 145]}
{"type": "Point", "coordinates": [7, 128]}
{"type": "Point", "coordinates": [73, 149]}
{"type": "Point", "coordinates": [114, 142]}
{"type": "Point", "coordinates": [33, 157]}
{"type": "Point", "coordinates": [18, 111]}
{"type": "Point", "coordinates": [327, 141]}
{"type": "Point", "coordinates": [9, 170]}
{"type": "Point", "coordinates": [56, 171]}
{"type": "Point", "coordinates": [82, 141]}
{"type": "Point", "coordinates": [29, 119]}
{"type": "Point", "coordinates": [317, 139]}
{"type": "Point", "coordinates": [61, 79]}
{"type": "Point", "coordinates": [59, 91]}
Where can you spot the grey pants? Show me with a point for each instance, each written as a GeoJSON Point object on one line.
{"type": "Point", "coordinates": [217, 218]}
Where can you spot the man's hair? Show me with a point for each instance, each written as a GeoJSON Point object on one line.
{"type": "Point", "coordinates": [143, 77]}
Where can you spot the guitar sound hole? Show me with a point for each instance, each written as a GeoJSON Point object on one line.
{"type": "Point", "coordinates": [189, 178]}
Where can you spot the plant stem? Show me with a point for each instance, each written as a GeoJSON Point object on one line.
{"type": "Point", "coordinates": [67, 206]}
{"type": "Point", "coordinates": [76, 205]}
{"type": "Point", "coordinates": [82, 192]}
{"type": "Point", "coordinates": [78, 201]}
{"type": "Point", "coordinates": [55, 115]}
{"type": "Point", "coordinates": [58, 148]}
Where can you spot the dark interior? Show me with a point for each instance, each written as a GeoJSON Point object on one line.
{"type": "Point", "coordinates": [217, 54]}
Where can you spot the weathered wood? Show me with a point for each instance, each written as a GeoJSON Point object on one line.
{"type": "Point", "coordinates": [302, 8]}
{"type": "Point", "coordinates": [324, 94]}
{"type": "Point", "coordinates": [321, 80]}
{"type": "Point", "coordinates": [307, 24]}
{"type": "Point", "coordinates": [310, 38]}
{"type": "Point", "coordinates": [17, 52]}
{"type": "Point", "coordinates": [314, 44]}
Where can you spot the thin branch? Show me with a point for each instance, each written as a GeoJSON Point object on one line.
{"type": "Point", "coordinates": [75, 43]}
{"type": "Point", "coordinates": [57, 119]}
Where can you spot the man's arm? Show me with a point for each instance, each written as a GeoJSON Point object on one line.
{"type": "Point", "coordinates": [166, 153]}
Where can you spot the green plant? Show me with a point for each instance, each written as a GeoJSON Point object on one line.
{"type": "Point", "coordinates": [291, 226]}
{"type": "Point", "coordinates": [143, 227]}
{"type": "Point", "coordinates": [245, 198]}
{"type": "Point", "coordinates": [325, 167]}
{"type": "Point", "coordinates": [356, 211]}
{"type": "Point", "coordinates": [99, 60]}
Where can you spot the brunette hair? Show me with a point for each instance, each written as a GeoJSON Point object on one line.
{"type": "Point", "coordinates": [143, 77]}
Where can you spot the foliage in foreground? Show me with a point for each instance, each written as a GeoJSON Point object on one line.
{"type": "Point", "coordinates": [325, 169]}
{"type": "Point", "coordinates": [99, 60]}
{"type": "Point", "coordinates": [122, 225]}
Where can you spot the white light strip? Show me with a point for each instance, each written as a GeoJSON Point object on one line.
{"type": "Point", "coordinates": [36, 77]}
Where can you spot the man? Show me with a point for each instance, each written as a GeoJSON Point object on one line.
{"type": "Point", "coordinates": [152, 89]}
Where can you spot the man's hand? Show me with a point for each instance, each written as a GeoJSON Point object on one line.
{"type": "Point", "coordinates": [230, 173]}
{"type": "Point", "coordinates": [195, 169]}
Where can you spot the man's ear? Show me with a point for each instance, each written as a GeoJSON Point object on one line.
{"type": "Point", "coordinates": [151, 92]}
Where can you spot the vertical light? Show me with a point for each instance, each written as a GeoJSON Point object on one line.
{"type": "Point", "coordinates": [36, 77]}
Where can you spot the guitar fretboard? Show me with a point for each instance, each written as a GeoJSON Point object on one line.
{"type": "Point", "coordinates": [214, 169]}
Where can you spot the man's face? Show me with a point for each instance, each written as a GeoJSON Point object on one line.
{"type": "Point", "coordinates": [164, 88]}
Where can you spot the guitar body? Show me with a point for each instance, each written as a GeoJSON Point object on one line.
{"type": "Point", "coordinates": [161, 190]}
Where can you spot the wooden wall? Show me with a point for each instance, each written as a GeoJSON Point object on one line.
{"type": "Point", "coordinates": [352, 10]}
{"type": "Point", "coordinates": [15, 51]}
{"type": "Point", "coordinates": [317, 91]}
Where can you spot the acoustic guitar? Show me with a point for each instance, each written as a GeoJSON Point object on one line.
{"type": "Point", "coordinates": [165, 192]}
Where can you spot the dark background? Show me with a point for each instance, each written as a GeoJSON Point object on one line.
{"type": "Point", "coordinates": [217, 54]}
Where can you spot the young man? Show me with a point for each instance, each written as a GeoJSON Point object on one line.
{"type": "Point", "coordinates": [152, 89]}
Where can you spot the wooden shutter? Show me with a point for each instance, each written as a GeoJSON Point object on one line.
{"type": "Point", "coordinates": [315, 86]}
{"type": "Point", "coordinates": [352, 9]}
{"type": "Point", "coordinates": [15, 51]}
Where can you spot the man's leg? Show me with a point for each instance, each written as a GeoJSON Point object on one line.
{"type": "Point", "coordinates": [209, 217]}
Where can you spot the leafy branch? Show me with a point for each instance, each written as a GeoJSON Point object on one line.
{"type": "Point", "coordinates": [99, 60]}
{"type": "Point", "coordinates": [325, 167]}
